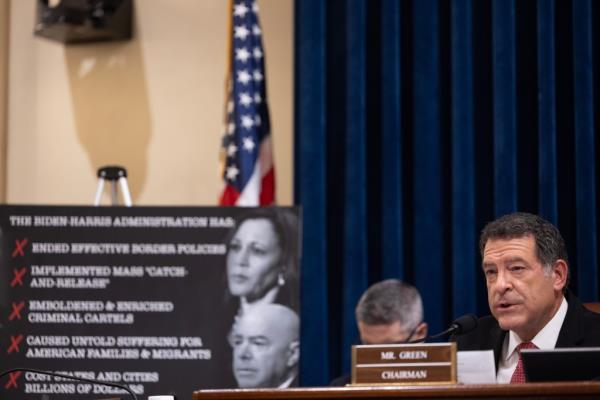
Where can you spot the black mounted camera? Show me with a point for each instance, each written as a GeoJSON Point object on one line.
{"type": "Point", "coordinates": [83, 21]}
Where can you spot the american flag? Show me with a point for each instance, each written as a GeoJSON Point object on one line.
{"type": "Point", "coordinates": [246, 151]}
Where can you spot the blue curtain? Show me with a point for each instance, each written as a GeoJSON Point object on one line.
{"type": "Point", "coordinates": [418, 121]}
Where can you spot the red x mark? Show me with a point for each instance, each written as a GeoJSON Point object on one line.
{"type": "Point", "coordinates": [12, 379]}
{"type": "Point", "coordinates": [14, 343]}
{"type": "Point", "coordinates": [16, 311]}
{"type": "Point", "coordinates": [18, 279]}
{"type": "Point", "coordinates": [19, 248]}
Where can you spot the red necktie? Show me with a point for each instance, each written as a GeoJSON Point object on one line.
{"type": "Point", "coordinates": [519, 375]}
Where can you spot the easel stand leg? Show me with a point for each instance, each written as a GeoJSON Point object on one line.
{"type": "Point", "coordinates": [113, 174]}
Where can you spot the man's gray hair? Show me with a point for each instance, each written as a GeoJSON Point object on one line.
{"type": "Point", "coordinates": [549, 243]}
{"type": "Point", "coordinates": [389, 301]}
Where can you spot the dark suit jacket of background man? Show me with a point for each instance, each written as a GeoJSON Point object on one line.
{"type": "Point", "coordinates": [341, 380]}
{"type": "Point", "coordinates": [581, 328]}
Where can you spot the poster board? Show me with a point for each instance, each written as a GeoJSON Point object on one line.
{"type": "Point", "coordinates": [138, 296]}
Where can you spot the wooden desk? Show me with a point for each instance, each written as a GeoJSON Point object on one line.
{"type": "Point", "coordinates": [539, 391]}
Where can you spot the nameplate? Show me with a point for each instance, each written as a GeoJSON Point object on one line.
{"type": "Point", "coordinates": [404, 364]}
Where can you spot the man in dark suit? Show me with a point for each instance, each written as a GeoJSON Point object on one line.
{"type": "Point", "coordinates": [389, 311]}
{"type": "Point", "coordinates": [525, 264]}
{"type": "Point", "coordinates": [266, 347]}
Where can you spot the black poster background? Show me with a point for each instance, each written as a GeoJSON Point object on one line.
{"type": "Point", "coordinates": [198, 299]}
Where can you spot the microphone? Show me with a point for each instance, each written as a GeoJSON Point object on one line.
{"type": "Point", "coordinates": [463, 324]}
{"type": "Point", "coordinates": [70, 377]}
{"type": "Point", "coordinates": [460, 325]}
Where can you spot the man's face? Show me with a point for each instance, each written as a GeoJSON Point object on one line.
{"type": "Point", "coordinates": [522, 295]}
{"type": "Point", "coordinates": [260, 351]}
{"type": "Point", "coordinates": [389, 334]}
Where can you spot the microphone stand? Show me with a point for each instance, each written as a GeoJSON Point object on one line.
{"type": "Point", "coordinates": [437, 335]}
{"type": "Point", "coordinates": [73, 378]}
{"type": "Point", "coordinates": [460, 325]}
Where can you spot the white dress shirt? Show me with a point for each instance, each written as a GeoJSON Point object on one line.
{"type": "Point", "coordinates": [287, 382]}
{"type": "Point", "coordinates": [545, 340]}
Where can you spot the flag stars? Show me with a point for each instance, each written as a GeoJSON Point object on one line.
{"type": "Point", "coordinates": [232, 172]}
{"type": "Point", "coordinates": [242, 54]}
{"type": "Point", "coordinates": [241, 32]}
{"type": "Point", "coordinates": [231, 150]}
{"type": "Point", "coordinates": [247, 122]}
{"type": "Point", "coordinates": [247, 116]}
{"type": "Point", "coordinates": [248, 144]}
{"type": "Point", "coordinates": [243, 77]}
{"type": "Point", "coordinates": [240, 10]}
{"type": "Point", "coordinates": [245, 99]}
{"type": "Point", "coordinates": [230, 128]}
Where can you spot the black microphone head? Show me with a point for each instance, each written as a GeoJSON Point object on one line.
{"type": "Point", "coordinates": [464, 324]}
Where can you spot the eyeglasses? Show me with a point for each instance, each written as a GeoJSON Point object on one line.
{"type": "Point", "coordinates": [407, 340]}
{"type": "Point", "coordinates": [410, 335]}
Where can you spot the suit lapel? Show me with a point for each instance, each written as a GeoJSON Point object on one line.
{"type": "Point", "coordinates": [571, 332]}
{"type": "Point", "coordinates": [498, 340]}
